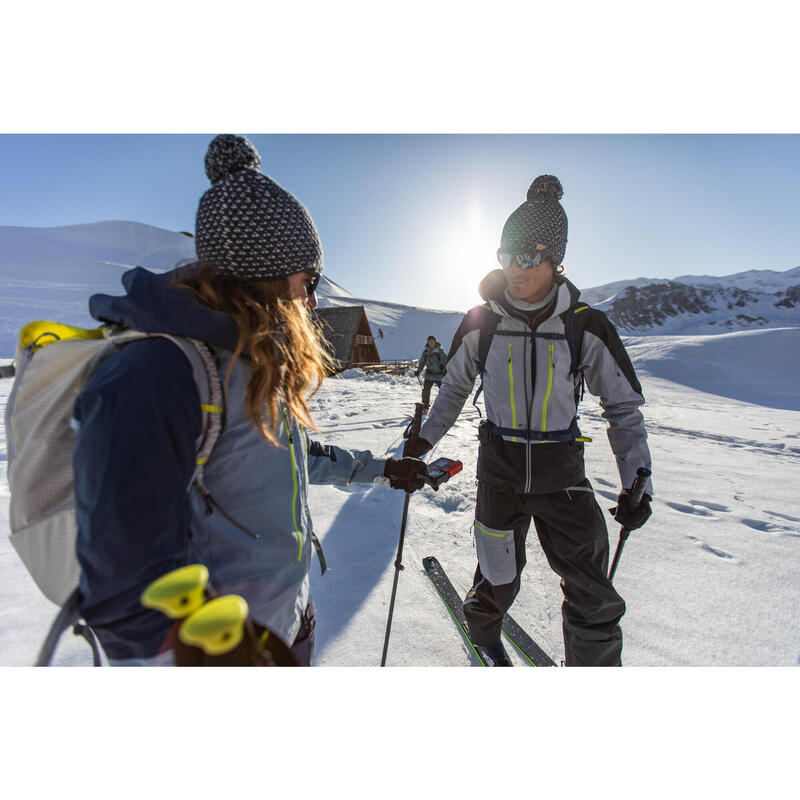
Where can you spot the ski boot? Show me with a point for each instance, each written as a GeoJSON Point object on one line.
{"type": "Point", "coordinates": [494, 656]}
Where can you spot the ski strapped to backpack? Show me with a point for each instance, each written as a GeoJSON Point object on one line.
{"type": "Point", "coordinates": [574, 322]}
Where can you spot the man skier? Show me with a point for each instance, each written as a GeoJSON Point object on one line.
{"type": "Point", "coordinates": [433, 360]}
{"type": "Point", "coordinates": [540, 346]}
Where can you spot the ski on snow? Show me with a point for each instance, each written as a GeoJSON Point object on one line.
{"type": "Point", "coordinates": [522, 643]}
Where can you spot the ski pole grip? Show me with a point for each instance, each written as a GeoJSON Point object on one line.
{"type": "Point", "coordinates": [637, 490]}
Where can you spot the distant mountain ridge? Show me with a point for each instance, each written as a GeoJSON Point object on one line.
{"type": "Point", "coordinates": [701, 304]}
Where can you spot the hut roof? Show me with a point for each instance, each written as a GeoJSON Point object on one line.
{"type": "Point", "coordinates": [339, 326]}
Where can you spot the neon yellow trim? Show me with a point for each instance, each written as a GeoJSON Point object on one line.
{"type": "Point", "coordinates": [294, 489]}
{"type": "Point", "coordinates": [178, 593]}
{"type": "Point", "coordinates": [583, 439]}
{"type": "Point", "coordinates": [201, 460]}
{"type": "Point", "coordinates": [489, 533]}
{"type": "Point", "coordinates": [549, 386]}
{"type": "Point", "coordinates": [511, 385]}
{"type": "Point", "coordinates": [582, 308]}
{"type": "Point", "coordinates": [211, 409]}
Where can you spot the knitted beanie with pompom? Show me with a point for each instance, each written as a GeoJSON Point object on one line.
{"type": "Point", "coordinates": [539, 220]}
{"type": "Point", "coordinates": [247, 225]}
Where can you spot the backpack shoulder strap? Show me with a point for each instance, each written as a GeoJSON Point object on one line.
{"type": "Point", "coordinates": [488, 325]}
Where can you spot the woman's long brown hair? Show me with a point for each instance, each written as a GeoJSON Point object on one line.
{"type": "Point", "coordinates": [285, 351]}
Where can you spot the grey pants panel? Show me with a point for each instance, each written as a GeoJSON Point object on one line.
{"type": "Point", "coordinates": [574, 538]}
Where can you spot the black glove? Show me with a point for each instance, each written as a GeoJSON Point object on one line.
{"type": "Point", "coordinates": [416, 447]}
{"type": "Point", "coordinates": [416, 374]}
{"type": "Point", "coordinates": [404, 473]}
{"type": "Point", "coordinates": [631, 518]}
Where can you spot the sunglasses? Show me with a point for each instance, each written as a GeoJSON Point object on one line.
{"type": "Point", "coordinates": [526, 260]}
{"type": "Point", "coordinates": [311, 285]}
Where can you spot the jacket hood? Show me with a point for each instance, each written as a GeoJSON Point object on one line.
{"type": "Point", "coordinates": [493, 287]}
{"type": "Point", "coordinates": [153, 304]}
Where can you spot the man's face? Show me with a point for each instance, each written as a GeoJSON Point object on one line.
{"type": "Point", "coordinates": [530, 285]}
{"type": "Point", "coordinates": [431, 343]}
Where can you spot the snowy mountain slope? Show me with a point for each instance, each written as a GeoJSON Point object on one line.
{"type": "Point", "coordinates": [672, 307]}
{"type": "Point", "coordinates": [50, 273]}
{"type": "Point", "coordinates": [758, 280]}
{"type": "Point", "coordinates": [701, 304]}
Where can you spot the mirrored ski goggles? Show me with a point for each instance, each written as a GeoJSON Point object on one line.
{"type": "Point", "coordinates": [527, 260]}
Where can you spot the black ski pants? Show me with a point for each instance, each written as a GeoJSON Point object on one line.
{"type": "Point", "coordinates": [574, 537]}
{"type": "Point", "coordinates": [426, 391]}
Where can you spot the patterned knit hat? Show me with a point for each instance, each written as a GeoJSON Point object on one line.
{"type": "Point", "coordinates": [246, 224]}
{"type": "Point", "coordinates": [539, 220]}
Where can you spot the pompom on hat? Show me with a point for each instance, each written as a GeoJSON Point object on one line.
{"type": "Point", "coordinates": [247, 225]}
{"type": "Point", "coordinates": [539, 220]}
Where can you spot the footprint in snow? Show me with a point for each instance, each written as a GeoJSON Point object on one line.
{"type": "Point", "coordinates": [709, 549]}
{"type": "Point", "coordinates": [700, 512]}
{"type": "Point", "coordinates": [710, 506]}
{"type": "Point", "coordinates": [782, 516]}
{"type": "Point", "coordinates": [766, 527]}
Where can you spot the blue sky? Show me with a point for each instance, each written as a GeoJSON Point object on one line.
{"type": "Point", "coordinates": [416, 219]}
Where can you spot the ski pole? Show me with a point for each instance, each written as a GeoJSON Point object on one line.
{"type": "Point", "coordinates": [412, 431]}
{"type": "Point", "coordinates": [637, 490]}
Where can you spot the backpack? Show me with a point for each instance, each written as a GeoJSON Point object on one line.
{"type": "Point", "coordinates": [54, 363]}
{"type": "Point", "coordinates": [573, 333]}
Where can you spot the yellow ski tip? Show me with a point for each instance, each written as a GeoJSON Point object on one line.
{"type": "Point", "coordinates": [178, 593]}
{"type": "Point", "coordinates": [42, 332]}
{"type": "Point", "coordinates": [217, 627]}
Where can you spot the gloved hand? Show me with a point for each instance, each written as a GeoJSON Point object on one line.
{"type": "Point", "coordinates": [416, 447]}
{"type": "Point", "coordinates": [404, 473]}
{"type": "Point", "coordinates": [416, 373]}
{"type": "Point", "coordinates": [631, 518]}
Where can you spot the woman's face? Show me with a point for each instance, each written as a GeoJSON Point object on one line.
{"type": "Point", "coordinates": [302, 286]}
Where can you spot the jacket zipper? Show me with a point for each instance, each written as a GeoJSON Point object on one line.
{"type": "Point", "coordinates": [549, 387]}
{"type": "Point", "coordinates": [511, 388]}
{"type": "Point", "coordinates": [294, 487]}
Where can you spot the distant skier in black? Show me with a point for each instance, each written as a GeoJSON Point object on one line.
{"type": "Point", "coordinates": [433, 359]}
{"type": "Point", "coordinates": [540, 346]}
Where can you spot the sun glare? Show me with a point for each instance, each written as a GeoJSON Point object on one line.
{"type": "Point", "coordinates": [466, 253]}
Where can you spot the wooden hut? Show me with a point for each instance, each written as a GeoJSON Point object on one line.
{"type": "Point", "coordinates": [348, 334]}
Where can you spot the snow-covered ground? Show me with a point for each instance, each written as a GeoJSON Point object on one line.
{"type": "Point", "coordinates": [712, 580]}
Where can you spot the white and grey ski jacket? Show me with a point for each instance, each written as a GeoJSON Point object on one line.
{"type": "Point", "coordinates": [531, 442]}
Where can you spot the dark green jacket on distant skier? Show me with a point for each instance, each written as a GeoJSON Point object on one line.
{"type": "Point", "coordinates": [433, 360]}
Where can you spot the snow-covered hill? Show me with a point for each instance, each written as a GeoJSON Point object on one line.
{"type": "Point", "coordinates": [701, 304]}
{"type": "Point", "coordinates": [49, 273]}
